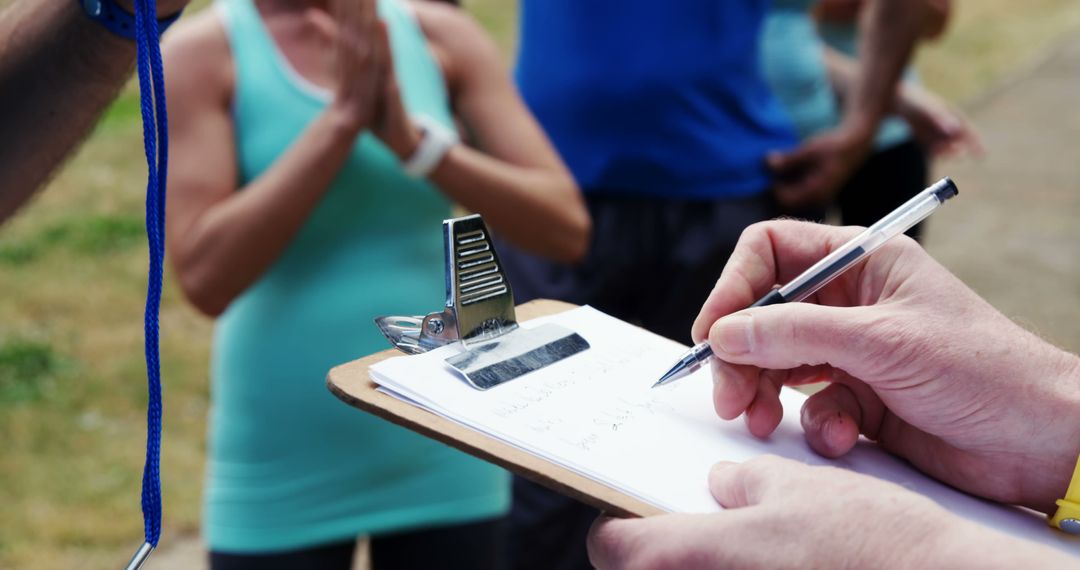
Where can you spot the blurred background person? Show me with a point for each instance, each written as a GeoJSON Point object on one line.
{"type": "Point", "coordinates": [296, 215]}
{"type": "Point", "coordinates": [665, 119]}
{"type": "Point", "coordinates": [811, 66]}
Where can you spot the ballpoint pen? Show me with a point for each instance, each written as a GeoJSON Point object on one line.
{"type": "Point", "coordinates": [831, 266]}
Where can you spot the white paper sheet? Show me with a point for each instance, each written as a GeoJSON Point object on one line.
{"type": "Point", "coordinates": [596, 413]}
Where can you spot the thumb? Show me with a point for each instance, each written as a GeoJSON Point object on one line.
{"type": "Point", "coordinates": [739, 485]}
{"type": "Point", "coordinates": [797, 334]}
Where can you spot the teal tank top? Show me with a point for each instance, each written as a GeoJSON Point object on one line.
{"type": "Point", "coordinates": [290, 465]}
{"type": "Point", "coordinates": [793, 62]}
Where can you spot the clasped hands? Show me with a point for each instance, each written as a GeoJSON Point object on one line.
{"type": "Point", "coordinates": [367, 94]}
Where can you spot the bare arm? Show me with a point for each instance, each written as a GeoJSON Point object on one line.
{"type": "Point", "coordinates": [58, 71]}
{"type": "Point", "coordinates": [935, 17]}
{"type": "Point", "coordinates": [888, 31]}
{"type": "Point", "coordinates": [222, 240]}
{"type": "Point", "coordinates": [812, 173]}
{"type": "Point", "coordinates": [939, 128]}
{"type": "Point", "coordinates": [514, 177]}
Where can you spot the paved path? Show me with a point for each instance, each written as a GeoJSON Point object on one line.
{"type": "Point", "coordinates": [1013, 234]}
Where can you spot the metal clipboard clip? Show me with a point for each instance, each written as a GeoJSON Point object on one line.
{"type": "Point", "coordinates": [479, 313]}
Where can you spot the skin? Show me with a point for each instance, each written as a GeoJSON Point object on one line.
{"type": "Point", "coordinates": [58, 71]}
{"type": "Point", "coordinates": [914, 360]}
{"type": "Point", "coordinates": [217, 240]}
{"type": "Point", "coordinates": [811, 173]}
{"type": "Point", "coordinates": [782, 514]}
{"type": "Point", "coordinates": [938, 127]}
{"type": "Point", "coordinates": [935, 19]}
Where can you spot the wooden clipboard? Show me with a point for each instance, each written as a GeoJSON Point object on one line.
{"type": "Point", "coordinates": [352, 384]}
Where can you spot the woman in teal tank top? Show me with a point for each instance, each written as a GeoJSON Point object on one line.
{"type": "Point", "coordinates": [292, 220]}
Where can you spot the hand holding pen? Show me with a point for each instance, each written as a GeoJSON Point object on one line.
{"type": "Point", "coordinates": [832, 265]}
{"type": "Point", "coordinates": [913, 358]}
{"type": "Point", "coordinates": [915, 361]}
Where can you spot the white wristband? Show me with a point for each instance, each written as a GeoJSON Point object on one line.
{"type": "Point", "coordinates": [435, 142]}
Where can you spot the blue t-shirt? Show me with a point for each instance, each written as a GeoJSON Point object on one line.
{"type": "Point", "coordinates": [649, 98]}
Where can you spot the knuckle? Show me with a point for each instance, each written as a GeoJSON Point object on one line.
{"type": "Point", "coordinates": [752, 475]}
{"type": "Point", "coordinates": [905, 244]}
{"type": "Point", "coordinates": [759, 229]}
{"type": "Point", "coordinates": [763, 466]}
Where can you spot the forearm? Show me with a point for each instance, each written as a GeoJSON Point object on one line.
{"type": "Point", "coordinates": [535, 208]}
{"type": "Point", "coordinates": [964, 544]}
{"type": "Point", "coordinates": [234, 242]}
{"type": "Point", "coordinates": [936, 18]}
{"type": "Point", "coordinates": [1055, 444]}
{"type": "Point", "coordinates": [1031, 441]}
{"type": "Point", "coordinates": [58, 71]}
{"type": "Point", "coordinates": [842, 69]}
{"type": "Point", "coordinates": [888, 30]}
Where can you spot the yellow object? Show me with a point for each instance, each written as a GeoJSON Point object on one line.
{"type": "Point", "coordinates": [1067, 517]}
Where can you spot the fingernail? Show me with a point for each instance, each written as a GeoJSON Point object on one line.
{"type": "Point", "coordinates": [828, 429]}
{"type": "Point", "coordinates": [733, 334]}
{"type": "Point", "coordinates": [834, 427]}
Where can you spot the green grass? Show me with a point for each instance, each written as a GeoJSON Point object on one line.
{"type": "Point", "coordinates": [72, 281]}
{"type": "Point", "coordinates": [122, 113]}
{"type": "Point", "coordinates": [28, 371]}
{"type": "Point", "coordinates": [91, 234]}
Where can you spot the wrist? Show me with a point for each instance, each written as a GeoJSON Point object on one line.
{"type": "Point", "coordinates": [343, 121]}
{"type": "Point", "coordinates": [965, 544]}
{"type": "Point", "coordinates": [435, 141]}
{"type": "Point", "coordinates": [342, 125]}
{"type": "Point", "coordinates": [902, 101]}
{"type": "Point", "coordinates": [165, 9]}
{"type": "Point", "coordinates": [859, 130]}
{"type": "Point", "coordinates": [1046, 475]}
{"type": "Point", "coordinates": [120, 19]}
{"type": "Point", "coordinates": [404, 144]}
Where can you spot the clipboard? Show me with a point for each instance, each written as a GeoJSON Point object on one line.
{"type": "Point", "coordinates": [352, 384]}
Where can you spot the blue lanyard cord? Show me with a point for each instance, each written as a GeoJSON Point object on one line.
{"type": "Point", "coordinates": [156, 140]}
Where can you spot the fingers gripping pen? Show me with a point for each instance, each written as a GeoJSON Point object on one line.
{"type": "Point", "coordinates": [831, 266]}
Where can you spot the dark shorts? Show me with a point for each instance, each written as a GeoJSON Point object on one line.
{"type": "Point", "coordinates": [652, 262]}
{"type": "Point", "coordinates": [477, 545]}
{"type": "Point", "coordinates": [887, 179]}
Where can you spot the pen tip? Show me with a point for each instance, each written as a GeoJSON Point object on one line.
{"type": "Point", "coordinates": [668, 376]}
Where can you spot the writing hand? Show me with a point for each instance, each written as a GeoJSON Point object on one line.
{"type": "Point", "coordinates": [914, 358]}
